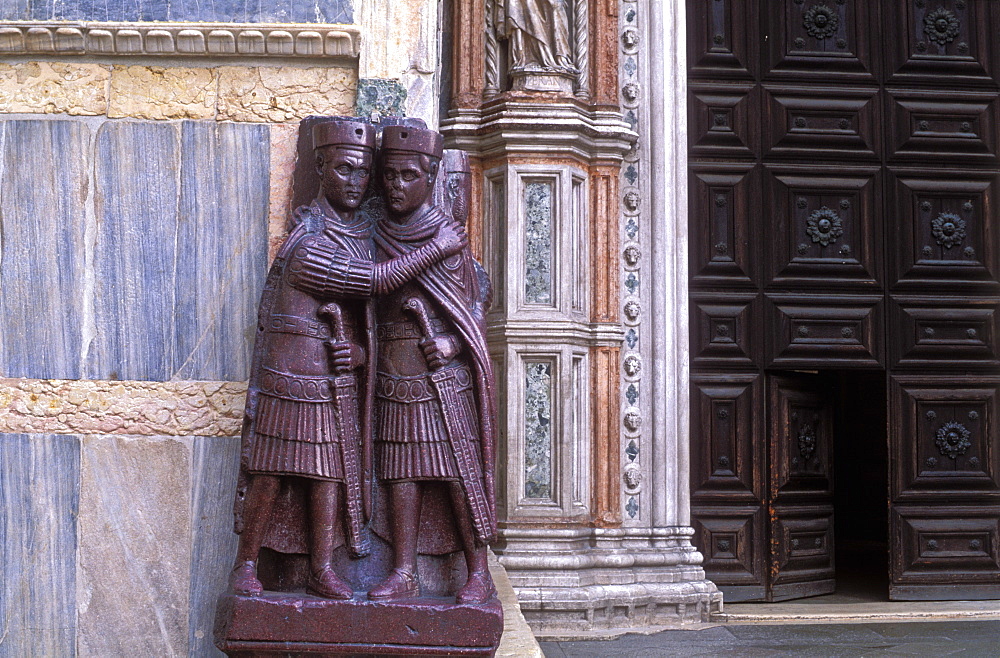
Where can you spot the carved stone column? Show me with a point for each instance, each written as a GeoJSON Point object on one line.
{"type": "Point", "coordinates": [593, 490]}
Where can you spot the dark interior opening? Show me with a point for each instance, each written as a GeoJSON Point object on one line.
{"type": "Point", "coordinates": [861, 485]}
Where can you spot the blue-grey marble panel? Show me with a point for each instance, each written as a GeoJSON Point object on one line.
{"type": "Point", "coordinates": [137, 196]}
{"type": "Point", "coordinates": [213, 484]}
{"type": "Point", "coordinates": [222, 247]}
{"type": "Point", "coordinates": [538, 243]}
{"type": "Point", "coordinates": [44, 184]}
{"type": "Point", "coordinates": [39, 501]}
{"type": "Point", "coordinates": [538, 430]}
{"type": "Point", "coordinates": [181, 249]}
{"type": "Point", "coordinates": [211, 11]}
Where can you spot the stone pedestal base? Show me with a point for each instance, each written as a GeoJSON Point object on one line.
{"type": "Point", "coordinates": [542, 81]}
{"type": "Point", "coordinates": [280, 624]}
{"type": "Point", "coordinates": [591, 583]}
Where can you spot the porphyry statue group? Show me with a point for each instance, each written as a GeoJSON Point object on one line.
{"type": "Point", "coordinates": [370, 372]}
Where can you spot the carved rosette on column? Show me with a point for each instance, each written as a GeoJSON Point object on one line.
{"type": "Point", "coordinates": [631, 207]}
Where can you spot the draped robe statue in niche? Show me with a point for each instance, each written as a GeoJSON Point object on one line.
{"type": "Point", "coordinates": [538, 34]}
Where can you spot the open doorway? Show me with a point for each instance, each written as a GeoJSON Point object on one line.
{"type": "Point", "coordinates": [861, 466]}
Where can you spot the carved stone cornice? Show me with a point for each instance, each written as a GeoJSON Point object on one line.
{"type": "Point", "coordinates": [179, 39]}
{"type": "Point", "coordinates": [512, 128]}
{"type": "Point", "coordinates": [584, 334]}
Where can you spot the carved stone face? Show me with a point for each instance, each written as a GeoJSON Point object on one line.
{"type": "Point", "coordinates": [406, 183]}
{"type": "Point", "coordinates": [345, 174]}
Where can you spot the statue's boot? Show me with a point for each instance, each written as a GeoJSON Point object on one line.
{"type": "Point", "coordinates": [327, 583]}
{"type": "Point", "coordinates": [243, 579]}
{"type": "Point", "coordinates": [401, 584]}
{"type": "Point", "coordinates": [478, 588]}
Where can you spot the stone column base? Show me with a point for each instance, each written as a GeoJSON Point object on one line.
{"type": "Point", "coordinates": [590, 584]}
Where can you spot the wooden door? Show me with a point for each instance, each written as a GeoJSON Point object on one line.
{"type": "Point", "coordinates": [800, 498]}
{"type": "Point", "coordinates": [843, 200]}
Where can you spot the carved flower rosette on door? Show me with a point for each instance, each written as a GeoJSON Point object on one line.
{"type": "Point", "coordinates": [824, 226]}
{"type": "Point", "coordinates": [820, 21]}
{"type": "Point", "coordinates": [952, 440]}
{"type": "Point", "coordinates": [941, 26]}
{"type": "Point", "coordinates": [948, 229]}
{"type": "Point", "coordinates": [807, 442]}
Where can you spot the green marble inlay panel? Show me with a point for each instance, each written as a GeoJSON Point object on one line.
{"type": "Point", "coordinates": [538, 243]}
{"type": "Point", "coordinates": [538, 430]}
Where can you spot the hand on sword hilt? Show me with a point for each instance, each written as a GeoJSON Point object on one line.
{"type": "Point", "coordinates": [344, 355]}
{"type": "Point", "coordinates": [438, 349]}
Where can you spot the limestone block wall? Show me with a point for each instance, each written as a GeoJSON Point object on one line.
{"type": "Point", "coordinates": [146, 152]}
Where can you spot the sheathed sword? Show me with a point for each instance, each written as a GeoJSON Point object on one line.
{"type": "Point", "coordinates": [345, 407]}
{"type": "Point", "coordinates": [460, 434]}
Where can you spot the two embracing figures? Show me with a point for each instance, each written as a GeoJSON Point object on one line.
{"type": "Point", "coordinates": [371, 382]}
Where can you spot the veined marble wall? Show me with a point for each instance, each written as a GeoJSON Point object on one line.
{"type": "Point", "coordinates": [145, 178]}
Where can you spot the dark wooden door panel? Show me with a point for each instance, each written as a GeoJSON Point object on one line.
{"type": "Point", "coordinates": [733, 541]}
{"type": "Point", "coordinates": [940, 42]}
{"type": "Point", "coordinates": [803, 558]}
{"type": "Point", "coordinates": [946, 127]}
{"type": "Point", "coordinates": [943, 439]}
{"type": "Point", "coordinates": [826, 41]}
{"type": "Point", "coordinates": [723, 198]}
{"type": "Point", "coordinates": [845, 157]}
{"type": "Point", "coordinates": [824, 331]}
{"type": "Point", "coordinates": [801, 433]}
{"type": "Point", "coordinates": [726, 449]}
{"type": "Point", "coordinates": [722, 38]}
{"type": "Point", "coordinates": [822, 123]}
{"type": "Point", "coordinates": [947, 231]}
{"type": "Point", "coordinates": [722, 328]}
{"type": "Point", "coordinates": [723, 121]}
{"type": "Point", "coordinates": [934, 333]}
{"type": "Point", "coordinates": [800, 492]}
{"type": "Point", "coordinates": [945, 552]}
{"type": "Point", "coordinates": [823, 228]}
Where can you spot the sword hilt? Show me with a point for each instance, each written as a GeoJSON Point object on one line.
{"type": "Point", "coordinates": [333, 314]}
{"type": "Point", "coordinates": [416, 306]}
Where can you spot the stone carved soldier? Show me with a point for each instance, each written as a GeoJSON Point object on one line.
{"type": "Point", "coordinates": [434, 408]}
{"type": "Point", "coordinates": [308, 413]}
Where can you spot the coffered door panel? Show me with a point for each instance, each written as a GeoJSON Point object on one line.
{"type": "Point", "coordinates": [722, 37]}
{"type": "Point", "coordinates": [824, 331]}
{"type": "Point", "coordinates": [722, 201]}
{"type": "Point", "coordinates": [948, 127]}
{"type": "Point", "coordinates": [947, 234]}
{"type": "Point", "coordinates": [723, 120]}
{"type": "Point", "coordinates": [945, 553]}
{"type": "Point", "coordinates": [723, 328]}
{"type": "Point", "coordinates": [940, 42]}
{"type": "Point", "coordinates": [726, 450]}
{"type": "Point", "coordinates": [819, 40]}
{"type": "Point", "coordinates": [822, 123]}
{"type": "Point", "coordinates": [934, 333]}
{"type": "Point", "coordinates": [824, 228]}
{"type": "Point", "coordinates": [943, 439]}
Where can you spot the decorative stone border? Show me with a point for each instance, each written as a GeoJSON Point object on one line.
{"type": "Point", "coordinates": [180, 39]}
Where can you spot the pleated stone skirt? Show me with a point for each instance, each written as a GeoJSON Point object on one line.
{"type": "Point", "coordinates": [296, 438]}
{"type": "Point", "coordinates": [411, 440]}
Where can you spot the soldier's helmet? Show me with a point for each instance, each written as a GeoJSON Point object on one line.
{"type": "Point", "coordinates": [413, 140]}
{"type": "Point", "coordinates": [339, 132]}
